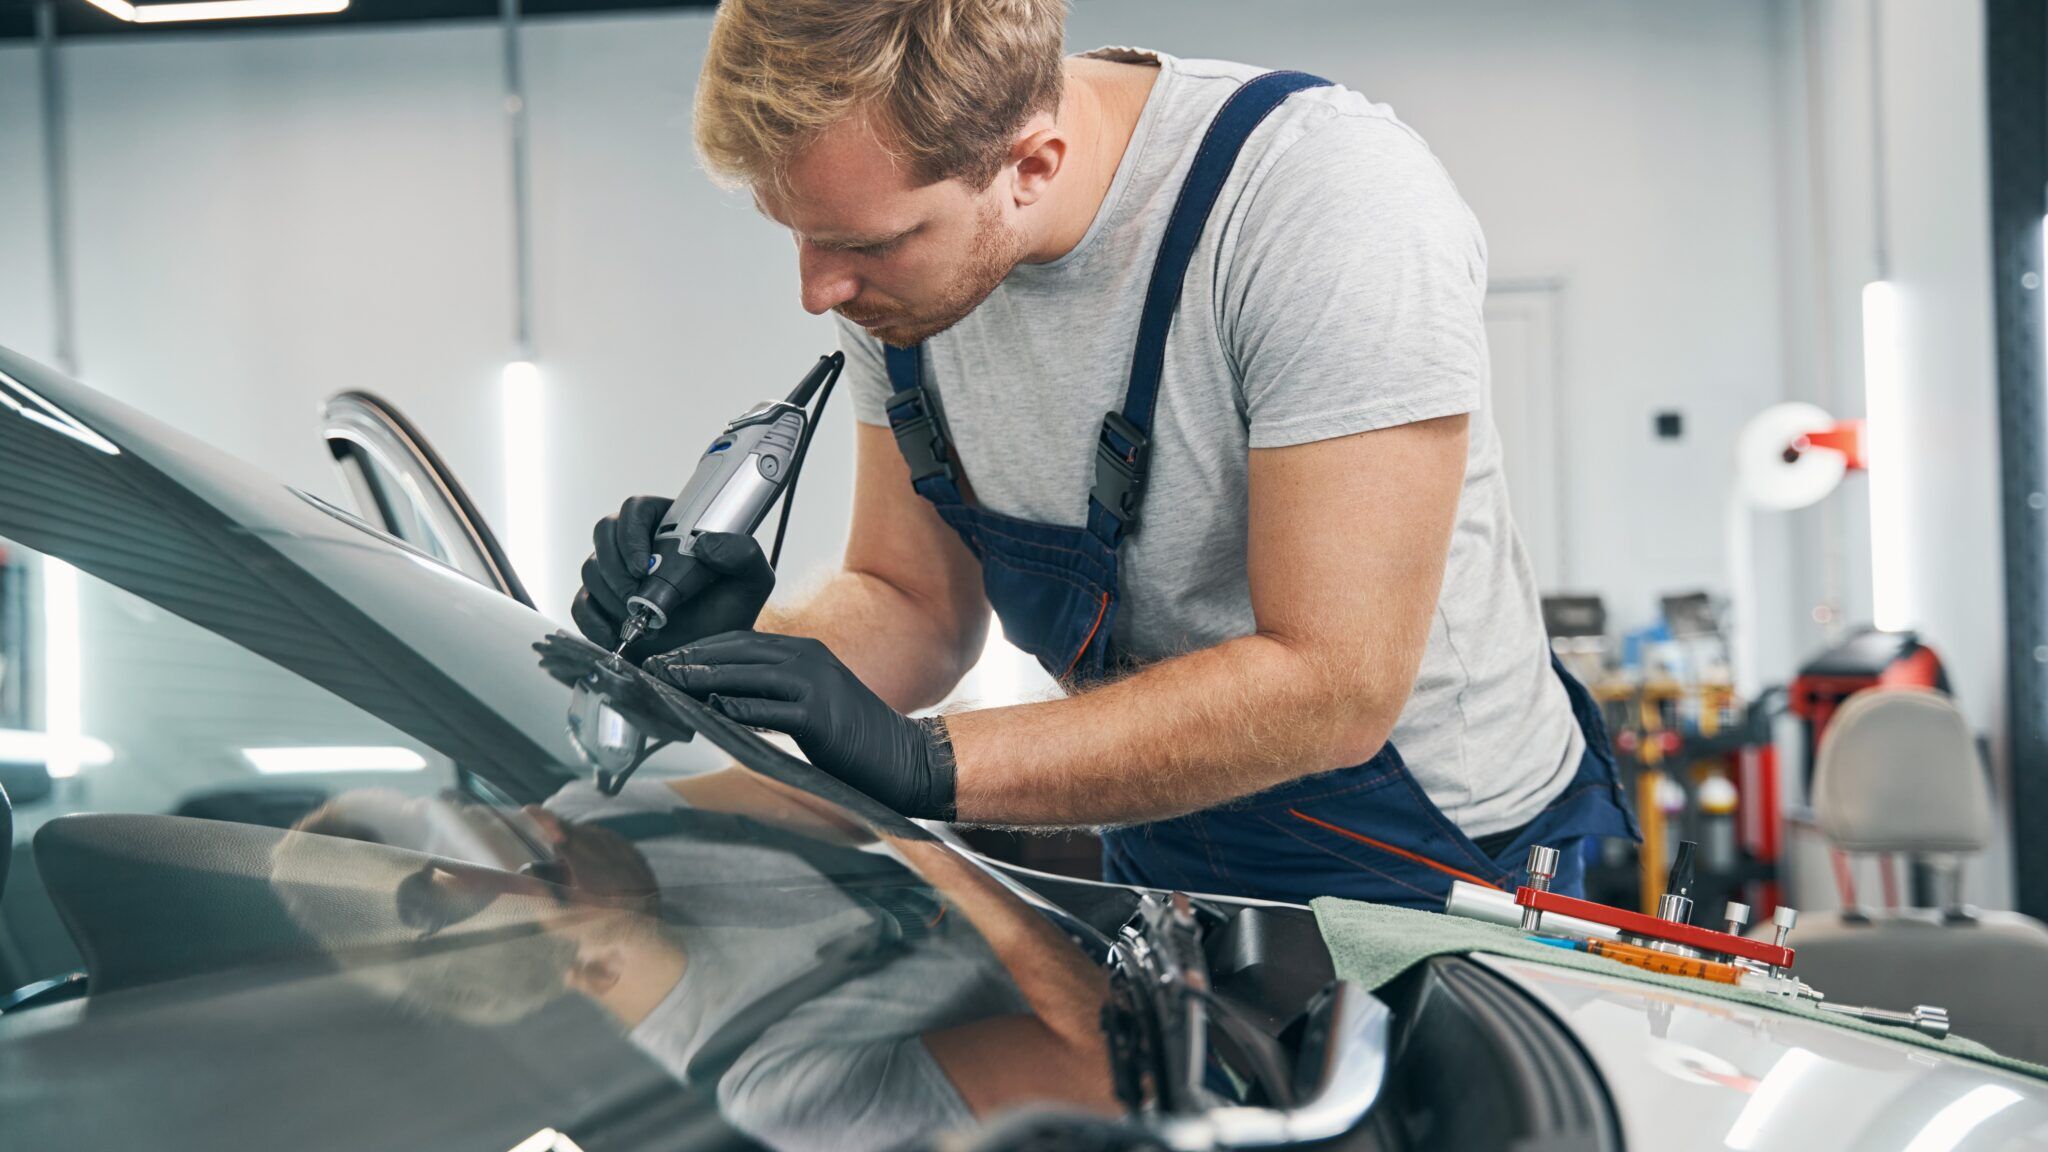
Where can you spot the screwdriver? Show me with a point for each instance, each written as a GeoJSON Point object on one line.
{"type": "Point", "coordinates": [737, 478]}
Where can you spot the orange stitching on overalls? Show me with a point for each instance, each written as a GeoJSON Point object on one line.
{"type": "Point", "coordinates": [1361, 865]}
{"type": "Point", "coordinates": [1092, 630]}
{"type": "Point", "coordinates": [1452, 832]}
{"type": "Point", "coordinates": [1403, 853]}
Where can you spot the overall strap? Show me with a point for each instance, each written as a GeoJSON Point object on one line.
{"type": "Point", "coordinates": [1122, 450]}
{"type": "Point", "coordinates": [920, 427]}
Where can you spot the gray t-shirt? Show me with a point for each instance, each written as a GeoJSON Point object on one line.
{"type": "Point", "coordinates": [844, 1066]}
{"type": "Point", "coordinates": [1337, 289]}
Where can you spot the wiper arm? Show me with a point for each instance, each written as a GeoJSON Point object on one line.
{"type": "Point", "coordinates": [1160, 1044]}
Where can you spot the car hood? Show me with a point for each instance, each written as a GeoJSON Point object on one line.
{"type": "Point", "coordinates": [1696, 1072]}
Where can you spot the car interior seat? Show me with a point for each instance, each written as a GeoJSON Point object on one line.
{"type": "Point", "coordinates": [1898, 772]}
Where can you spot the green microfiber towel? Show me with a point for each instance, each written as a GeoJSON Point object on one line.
{"type": "Point", "coordinates": [1373, 943]}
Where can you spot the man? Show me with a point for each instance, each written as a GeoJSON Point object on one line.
{"type": "Point", "coordinates": [1181, 369]}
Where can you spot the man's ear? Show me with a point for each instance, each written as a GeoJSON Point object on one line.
{"type": "Point", "coordinates": [596, 970]}
{"type": "Point", "coordinates": [1036, 158]}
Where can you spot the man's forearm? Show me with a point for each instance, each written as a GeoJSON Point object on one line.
{"type": "Point", "coordinates": [1182, 735]}
{"type": "Point", "coordinates": [892, 641]}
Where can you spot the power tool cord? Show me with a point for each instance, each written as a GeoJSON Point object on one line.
{"type": "Point", "coordinates": [796, 464]}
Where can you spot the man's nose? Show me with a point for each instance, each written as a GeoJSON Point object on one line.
{"type": "Point", "coordinates": [827, 283]}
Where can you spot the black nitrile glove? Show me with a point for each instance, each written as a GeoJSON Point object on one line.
{"type": "Point", "coordinates": [614, 571]}
{"type": "Point", "coordinates": [795, 686]}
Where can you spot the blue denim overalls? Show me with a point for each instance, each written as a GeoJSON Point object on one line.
{"type": "Point", "coordinates": [1366, 832]}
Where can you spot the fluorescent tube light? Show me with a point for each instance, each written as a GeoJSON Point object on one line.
{"type": "Point", "coordinates": [1885, 422]}
{"type": "Point", "coordinates": [289, 761]}
{"type": "Point", "coordinates": [18, 747]}
{"type": "Point", "coordinates": [1771, 1093]}
{"type": "Point", "coordinates": [1946, 1131]}
{"type": "Point", "coordinates": [547, 1140]}
{"type": "Point", "coordinates": [215, 10]}
{"type": "Point", "coordinates": [524, 447]}
{"type": "Point", "coordinates": [63, 669]}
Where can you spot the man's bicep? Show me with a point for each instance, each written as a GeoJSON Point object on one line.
{"type": "Point", "coordinates": [1348, 543]}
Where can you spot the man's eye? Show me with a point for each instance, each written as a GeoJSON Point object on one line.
{"type": "Point", "coordinates": [875, 249]}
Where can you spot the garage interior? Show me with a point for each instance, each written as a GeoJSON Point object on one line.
{"type": "Point", "coordinates": [1764, 313]}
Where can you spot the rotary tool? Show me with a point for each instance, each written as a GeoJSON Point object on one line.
{"type": "Point", "coordinates": [754, 460]}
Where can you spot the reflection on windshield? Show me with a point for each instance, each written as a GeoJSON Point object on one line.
{"type": "Point", "coordinates": [827, 989]}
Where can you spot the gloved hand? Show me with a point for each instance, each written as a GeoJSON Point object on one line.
{"type": "Point", "coordinates": [628, 690]}
{"type": "Point", "coordinates": [614, 571]}
{"type": "Point", "coordinates": [795, 686]}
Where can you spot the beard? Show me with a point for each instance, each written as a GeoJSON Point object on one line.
{"type": "Point", "coordinates": [992, 253]}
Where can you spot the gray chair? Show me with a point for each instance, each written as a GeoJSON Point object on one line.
{"type": "Point", "coordinates": [1898, 772]}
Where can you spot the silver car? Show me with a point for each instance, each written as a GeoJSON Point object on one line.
{"type": "Point", "coordinates": [324, 838]}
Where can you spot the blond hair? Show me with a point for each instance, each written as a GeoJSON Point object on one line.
{"type": "Point", "coordinates": [945, 83]}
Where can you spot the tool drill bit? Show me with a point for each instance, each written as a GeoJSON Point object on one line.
{"type": "Point", "coordinates": [634, 627]}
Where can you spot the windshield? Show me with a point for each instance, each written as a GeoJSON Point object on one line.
{"type": "Point", "coordinates": [305, 807]}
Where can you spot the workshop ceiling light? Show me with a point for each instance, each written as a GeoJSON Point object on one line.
{"type": "Point", "coordinates": [215, 10]}
{"type": "Point", "coordinates": [290, 761]}
{"type": "Point", "coordinates": [18, 747]}
{"type": "Point", "coordinates": [63, 669]}
{"type": "Point", "coordinates": [1885, 416]}
{"type": "Point", "coordinates": [547, 1140]}
{"type": "Point", "coordinates": [524, 447]}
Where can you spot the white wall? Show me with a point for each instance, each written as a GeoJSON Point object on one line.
{"type": "Point", "coordinates": [664, 305]}
{"type": "Point", "coordinates": [25, 323]}
{"type": "Point", "coordinates": [260, 223]}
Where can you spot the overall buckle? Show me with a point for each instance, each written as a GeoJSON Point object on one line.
{"type": "Point", "coordinates": [1121, 456]}
{"type": "Point", "coordinates": [919, 436]}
